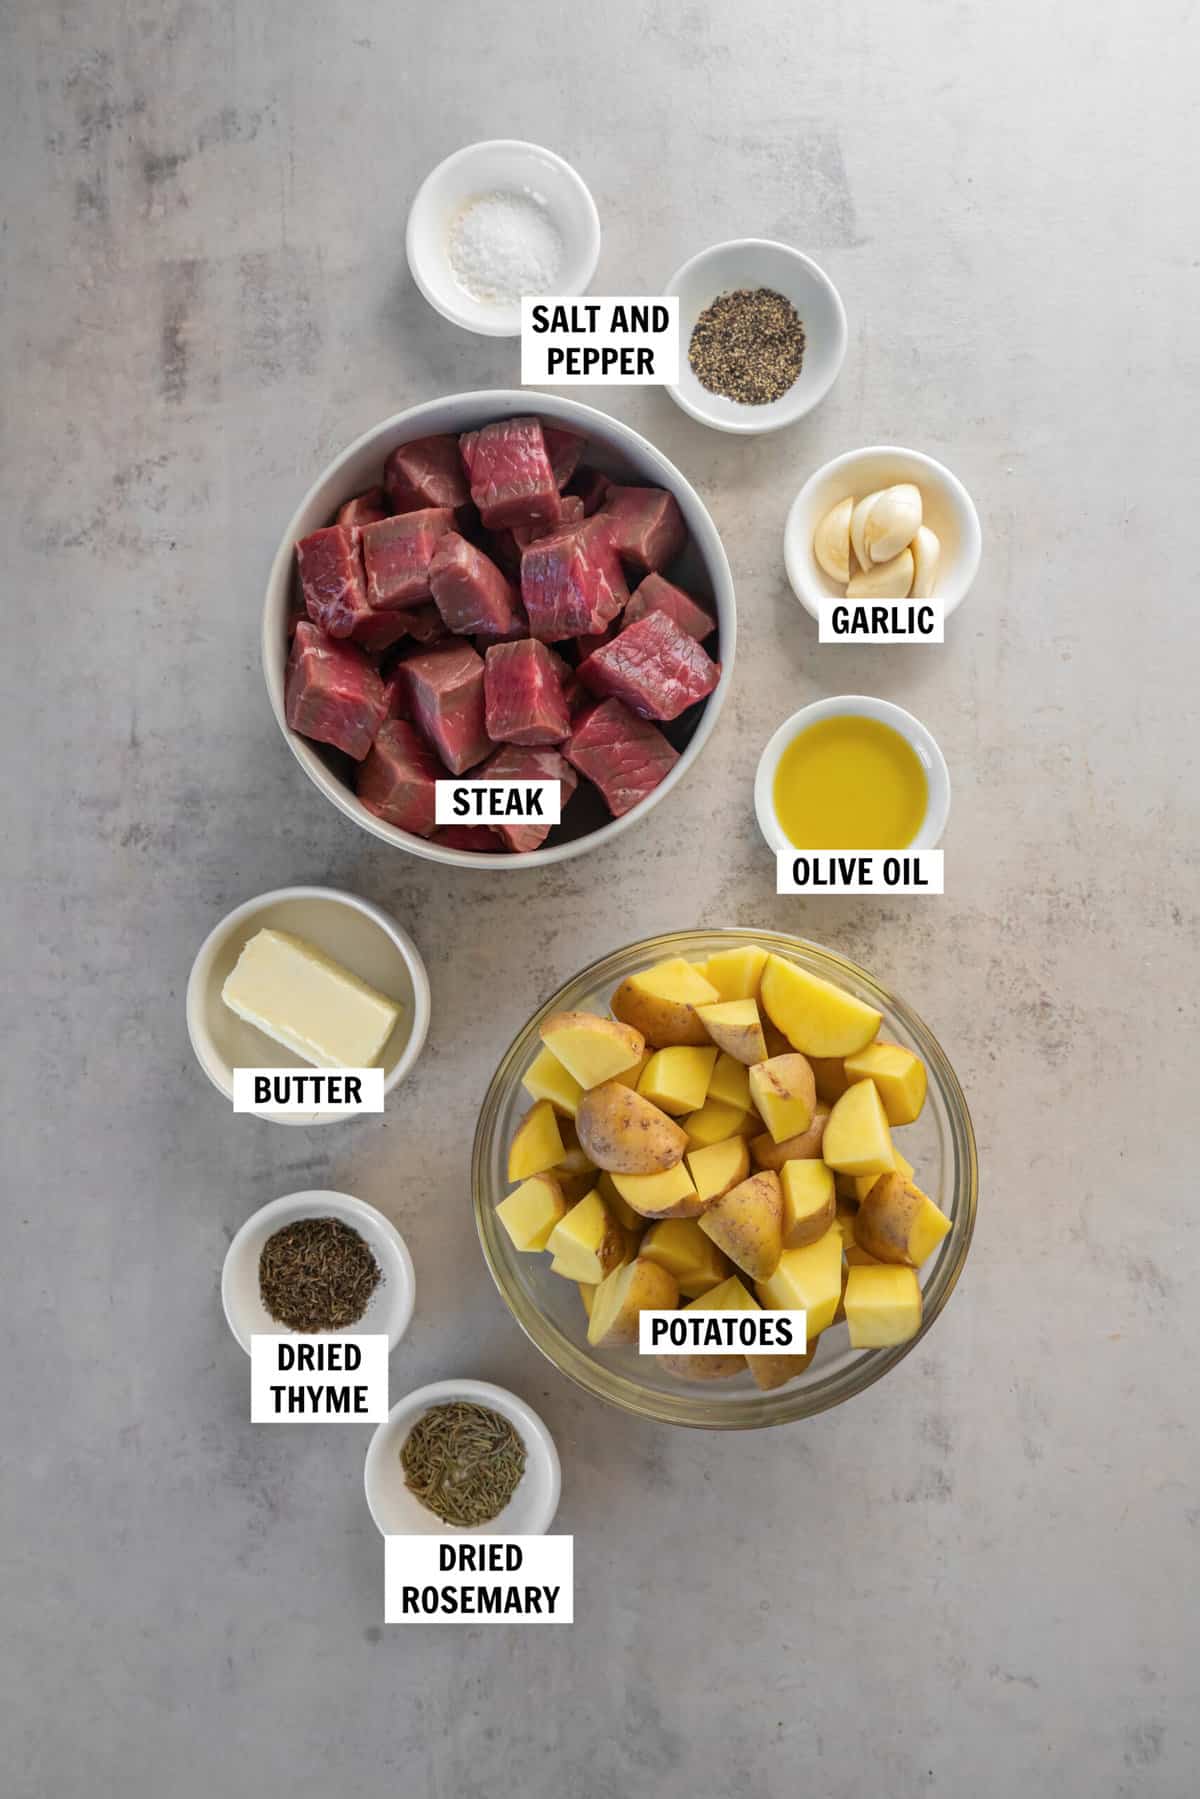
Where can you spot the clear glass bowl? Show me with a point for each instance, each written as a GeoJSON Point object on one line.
{"type": "Point", "coordinates": [940, 1145]}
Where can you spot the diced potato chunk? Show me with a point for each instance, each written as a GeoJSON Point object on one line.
{"type": "Point", "coordinates": [809, 1280]}
{"type": "Point", "coordinates": [677, 1079]}
{"type": "Point", "coordinates": [680, 1245]}
{"type": "Point", "coordinates": [669, 1194]}
{"type": "Point", "coordinates": [783, 1091]}
{"type": "Point", "coordinates": [864, 1182]}
{"type": "Point", "coordinates": [898, 1223]}
{"type": "Point", "coordinates": [883, 1306]}
{"type": "Point", "coordinates": [714, 1122]}
{"type": "Point", "coordinates": [769, 1154]}
{"type": "Point", "coordinates": [661, 1003]}
{"type": "Point", "coordinates": [587, 1243]}
{"type": "Point", "coordinates": [747, 1223]}
{"type": "Point", "coordinates": [736, 973]}
{"type": "Point", "coordinates": [899, 1077]}
{"type": "Point", "coordinates": [816, 1017]}
{"type": "Point", "coordinates": [857, 1138]}
{"type": "Point", "coordinates": [640, 1286]}
{"type": "Point", "coordinates": [620, 1208]}
{"type": "Point", "coordinates": [591, 1048]}
{"type": "Point", "coordinates": [718, 1167]}
{"type": "Point", "coordinates": [531, 1213]}
{"type": "Point", "coordinates": [736, 1027]}
{"type": "Point", "coordinates": [731, 1082]}
{"type": "Point", "coordinates": [809, 1202]}
{"type": "Point", "coordinates": [632, 1076]}
{"type": "Point", "coordinates": [537, 1145]}
{"type": "Point", "coordinates": [546, 1078]}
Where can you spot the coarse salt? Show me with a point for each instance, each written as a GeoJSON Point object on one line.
{"type": "Point", "coordinates": [503, 245]}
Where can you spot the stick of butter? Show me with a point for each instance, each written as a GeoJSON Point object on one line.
{"type": "Point", "coordinates": [309, 1003]}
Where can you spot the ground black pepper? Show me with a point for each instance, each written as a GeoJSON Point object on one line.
{"type": "Point", "coordinates": [317, 1275]}
{"type": "Point", "coordinates": [748, 346]}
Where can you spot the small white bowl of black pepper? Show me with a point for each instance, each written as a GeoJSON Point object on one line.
{"type": "Point", "coordinates": [762, 335]}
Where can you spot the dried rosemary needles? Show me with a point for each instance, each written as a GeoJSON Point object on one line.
{"type": "Point", "coordinates": [317, 1275]}
{"type": "Point", "coordinates": [748, 346]}
{"type": "Point", "coordinates": [463, 1462]}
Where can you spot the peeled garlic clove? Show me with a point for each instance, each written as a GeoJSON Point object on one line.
{"type": "Point", "coordinates": [883, 580]}
{"type": "Point", "coordinates": [927, 553]}
{"type": "Point", "coordinates": [831, 540]}
{"type": "Point", "coordinates": [893, 521]}
{"type": "Point", "coordinates": [858, 521]}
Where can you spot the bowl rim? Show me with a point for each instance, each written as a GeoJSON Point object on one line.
{"type": "Point", "coordinates": [509, 402]}
{"type": "Point", "coordinates": [795, 525]}
{"type": "Point", "coordinates": [502, 325]}
{"type": "Point", "coordinates": [204, 1050]}
{"type": "Point", "coordinates": [315, 1202]}
{"type": "Point", "coordinates": [856, 705]}
{"type": "Point", "coordinates": [533, 1429]}
{"type": "Point", "coordinates": [751, 427]}
{"type": "Point", "coordinates": [751, 1411]}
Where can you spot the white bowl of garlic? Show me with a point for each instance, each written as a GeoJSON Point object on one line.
{"type": "Point", "coordinates": [882, 523]}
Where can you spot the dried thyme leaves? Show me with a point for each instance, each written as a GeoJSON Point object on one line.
{"type": "Point", "coordinates": [463, 1462]}
{"type": "Point", "coordinates": [317, 1275]}
{"type": "Point", "coordinates": [748, 346]}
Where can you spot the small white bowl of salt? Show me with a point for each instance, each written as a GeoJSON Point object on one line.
{"type": "Point", "coordinates": [497, 221]}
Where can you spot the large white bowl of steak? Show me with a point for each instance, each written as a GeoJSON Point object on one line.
{"type": "Point", "coordinates": [498, 586]}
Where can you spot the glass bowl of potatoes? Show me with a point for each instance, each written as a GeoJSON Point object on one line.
{"type": "Point", "coordinates": [725, 1119]}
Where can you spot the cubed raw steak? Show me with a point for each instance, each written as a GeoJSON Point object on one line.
{"type": "Point", "coordinates": [512, 482]}
{"type": "Point", "coordinates": [379, 631]}
{"type": "Point", "coordinates": [365, 508]}
{"type": "Point", "coordinates": [445, 688]}
{"type": "Point", "coordinates": [521, 762]}
{"type": "Point", "coordinates": [331, 579]}
{"type": "Point", "coordinates": [426, 472]}
{"type": "Point", "coordinates": [397, 780]}
{"type": "Point", "coordinates": [646, 524]}
{"type": "Point", "coordinates": [564, 448]}
{"type": "Point", "coordinates": [395, 694]}
{"type": "Point", "coordinates": [523, 696]}
{"type": "Point", "coordinates": [657, 594]}
{"type": "Point", "coordinates": [571, 583]}
{"type": "Point", "coordinates": [470, 592]}
{"type": "Point", "coordinates": [397, 553]}
{"type": "Point", "coordinates": [572, 514]}
{"type": "Point", "coordinates": [591, 487]}
{"type": "Point", "coordinates": [480, 838]}
{"type": "Point", "coordinates": [657, 669]}
{"type": "Point", "coordinates": [624, 755]}
{"type": "Point", "coordinates": [332, 692]}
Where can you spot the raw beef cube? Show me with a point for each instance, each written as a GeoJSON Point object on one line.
{"type": "Point", "coordinates": [395, 694]}
{"type": "Point", "coordinates": [470, 592]}
{"type": "Point", "coordinates": [657, 669]}
{"type": "Point", "coordinates": [521, 762]}
{"type": "Point", "coordinates": [572, 514]}
{"type": "Point", "coordinates": [426, 472]}
{"type": "Point", "coordinates": [576, 697]}
{"type": "Point", "coordinates": [397, 780]}
{"type": "Point", "coordinates": [523, 696]}
{"type": "Point", "coordinates": [332, 692]}
{"type": "Point", "coordinates": [647, 525]}
{"type": "Point", "coordinates": [379, 631]}
{"type": "Point", "coordinates": [445, 689]}
{"type": "Point", "coordinates": [331, 579]}
{"type": "Point", "coordinates": [365, 508]}
{"type": "Point", "coordinates": [625, 756]}
{"type": "Point", "coordinates": [591, 487]}
{"type": "Point", "coordinates": [571, 583]}
{"type": "Point", "coordinates": [480, 838]}
{"type": "Point", "coordinates": [397, 553]}
{"type": "Point", "coordinates": [512, 482]}
{"type": "Point", "coordinates": [657, 594]}
{"type": "Point", "coordinates": [564, 448]}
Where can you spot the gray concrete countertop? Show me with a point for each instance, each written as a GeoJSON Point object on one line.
{"type": "Point", "coordinates": [979, 1577]}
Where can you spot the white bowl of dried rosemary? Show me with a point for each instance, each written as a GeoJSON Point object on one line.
{"type": "Point", "coordinates": [462, 1455]}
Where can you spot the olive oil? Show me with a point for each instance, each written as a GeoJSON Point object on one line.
{"type": "Point", "coordinates": [850, 783]}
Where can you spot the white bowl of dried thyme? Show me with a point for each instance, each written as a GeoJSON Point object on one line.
{"type": "Point", "coordinates": [762, 335]}
{"type": "Point", "coordinates": [462, 1455]}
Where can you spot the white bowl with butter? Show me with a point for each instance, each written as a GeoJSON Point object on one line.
{"type": "Point", "coordinates": [352, 933]}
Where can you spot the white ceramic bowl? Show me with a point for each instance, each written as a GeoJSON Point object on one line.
{"type": "Point", "coordinates": [359, 935]}
{"type": "Point", "coordinates": [530, 1511]}
{"type": "Point", "coordinates": [923, 743]}
{"type": "Point", "coordinates": [499, 165]}
{"type": "Point", "coordinates": [617, 450]}
{"type": "Point", "coordinates": [947, 507]}
{"type": "Point", "coordinates": [759, 262]}
{"type": "Point", "coordinates": [391, 1305]}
